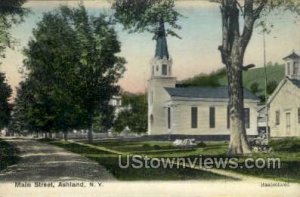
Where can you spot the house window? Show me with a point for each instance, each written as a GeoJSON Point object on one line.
{"type": "Point", "coordinates": [151, 97]}
{"type": "Point", "coordinates": [295, 70]}
{"type": "Point", "coordinates": [228, 117]}
{"type": "Point", "coordinates": [299, 115]}
{"type": "Point", "coordinates": [194, 115]}
{"type": "Point", "coordinates": [277, 117]}
{"type": "Point", "coordinates": [288, 69]}
{"type": "Point", "coordinates": [169, 117]}
{"type": "Point", "coordinates": [212, 114]}
{"type": "Point", "coordinates": [247, 117]}
{"type": "Point", "coordinates": [164, 69]}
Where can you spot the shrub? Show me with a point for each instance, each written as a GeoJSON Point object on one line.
{"type": "Point", "coordinates": [201, 145]}
{"type": "Point", "coordinates": [156, 147]}
{"type": "Point", "coordinates": [287, 145]}
{"type": "Point", "coordinates": [146, 146]}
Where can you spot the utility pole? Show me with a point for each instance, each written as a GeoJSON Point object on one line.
{"type": "Point", "coordinates": [266, 92]}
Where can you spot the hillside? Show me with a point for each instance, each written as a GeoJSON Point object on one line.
{"type": "Point", "coordinates": [275, 73]}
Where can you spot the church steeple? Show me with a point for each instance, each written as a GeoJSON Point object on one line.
{"type": "Point", "coordinates": [161, 65]}
{"type": "Point", "coordinates": [161, 50]}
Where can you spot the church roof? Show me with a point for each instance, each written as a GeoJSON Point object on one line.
{"type": "Point", "coordinates": [206, 92]}
{"type": "Point", "coordinates": [292, 56]}
{"type": "Point", "coordinates": [161, 50]}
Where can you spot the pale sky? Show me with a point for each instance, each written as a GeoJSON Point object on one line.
{"type": "Point", "coordinates": [195, 53]}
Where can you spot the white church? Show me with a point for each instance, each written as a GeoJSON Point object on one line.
{"type": "Point", "coordinates": [191, 110]}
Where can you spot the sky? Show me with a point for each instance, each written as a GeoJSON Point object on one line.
{"type": "Point", "coordinates": [195, 53]}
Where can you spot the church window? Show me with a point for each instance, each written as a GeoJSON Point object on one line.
{"type": "Point", "coordinates": [169, 117]}
{"type": "Point", "coordinates": [247, 117]}
{"type": "Point", "coordinates": [151, 119]}
{"type": "Point", "coordinates": [228, 117]}
{"type": "Point", "coordinates": [299, 115]}
{"type": "Point", "coordinates": [194, 119]}
{"type": "Point", "coordinates": [164, 69]}
{"type": "Point", "coordinates": [212, 117]}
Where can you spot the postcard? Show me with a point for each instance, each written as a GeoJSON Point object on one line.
{"type": "Point", "coordinates": [150, 98]}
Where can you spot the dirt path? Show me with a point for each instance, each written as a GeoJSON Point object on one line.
{"type": "Point", "coordinates": [43, 162]}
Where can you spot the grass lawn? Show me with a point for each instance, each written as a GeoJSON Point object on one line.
{"type": "Point", "coordinates": [8, 155]}
{"type": "Point", "coordinates": [110, 162]}
{"type": "Point", "coordinates": [287, 150]}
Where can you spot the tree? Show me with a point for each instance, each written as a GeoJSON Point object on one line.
{"type": "Point", "coordinates": [72, 60]}
{"type": "Point", "coordinates": [272, 85]}
{"type": "Point", "coordinates": [11, 12]}
{"type": "Point", "coordinates": [5, 107]}
{"type": "Point", "coordinates": [135, 116]}
{"type": "Point", "coordinates": [254, 88]}
{"type": "Point", "coordinates": [238, 21]}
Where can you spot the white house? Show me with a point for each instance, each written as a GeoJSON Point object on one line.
{"type": "Point", "coordinates": [284, 104]}
{"type": "Point", "coordinates": [190, 110]}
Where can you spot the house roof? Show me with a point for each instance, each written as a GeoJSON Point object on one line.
{"type": "Point", "coordinates": [206, 92]}
{"type": "Point", "coordinates": [292, 56]}
{"type": "Point", "coordinates": [295, 82]}
{"type": "Point", "coordinates": [161, 50]}
{"type": "Point", "coordinates": [281, 84]}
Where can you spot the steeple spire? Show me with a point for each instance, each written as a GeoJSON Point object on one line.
{"type": "Point", "coordinates": [161, 50]}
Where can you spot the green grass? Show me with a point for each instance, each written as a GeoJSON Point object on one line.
{"type": "Point", "coordinates": [287, 150]}
{"type": "Point", "coordinates": [8, 155]}
{"type": "Point", "coordinates": [110, 162]}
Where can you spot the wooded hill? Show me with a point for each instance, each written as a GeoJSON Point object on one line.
{"type": "Point", "coordinates": [275, 73]}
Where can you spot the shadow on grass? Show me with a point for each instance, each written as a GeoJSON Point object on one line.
{"type": "Point", "coordinates": [8, 155]}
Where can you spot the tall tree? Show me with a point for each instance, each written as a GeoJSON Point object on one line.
{"type": "Point", "coordinates": [238, 22]}
{"type": "Point", "coordinates": [5, 107]}
{"type": "Point", "coordinates": [73, 61]}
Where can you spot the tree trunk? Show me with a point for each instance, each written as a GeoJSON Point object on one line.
{"type": "Point", "coordinates": [45, 134]}
{"type": "Point", "coordinates": [90, 135]}
{"type": "Point", "coordinates": [66, 136]}
{"type": "Point", "coordinates": [238, 139]}
{"type": "Point", "coordinates": [56, 134]}
{"type": "Point", "coordinates": [50, 134]}
{"type": "Point", "coordinates": [232, 51]}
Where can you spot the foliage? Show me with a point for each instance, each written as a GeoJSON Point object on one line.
{"type": "Point", "coordinates": [135, 117]}
{"type": "Point", "coordinates": [271, 86]}
{"type": "Point", "coordinates": [211, 79]}
{"type": "Point", "coordinates": [254, 88]}
{"type": "Point", "coordinates": [73, 70]}
{"type": "Point", "coordinates": [11, 13]}
{"type": "Point", "coordinates": [145, 15]}
{"type": "Point", "coordinates": [5, 107]}
{"type": "Point", "coordinates": [286, 145]}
